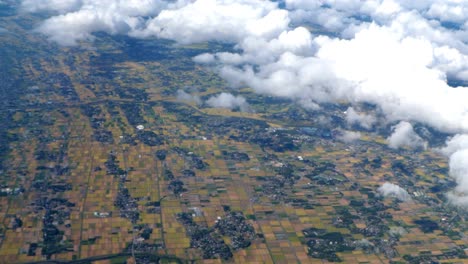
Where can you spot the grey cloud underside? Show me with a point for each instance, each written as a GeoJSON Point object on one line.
{"type": "Point", "coordinates": [395, 54]}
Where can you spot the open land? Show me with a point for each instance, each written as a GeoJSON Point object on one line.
{"type": "Point", "coordinates": [80, 181]}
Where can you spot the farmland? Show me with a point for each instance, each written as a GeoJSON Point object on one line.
{"type": "Point", "coordinates": [101, 160]}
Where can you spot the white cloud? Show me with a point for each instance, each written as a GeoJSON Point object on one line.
{"type": "Point", "coordinates": [451, 11]}
{"type": "Point", "coordinates": [186, 97]}
{"type": "Point", "coordinates": [261, 51]}
{"type": "Point", "coordinates": [290, 76]}
{"type": "Point", "coordinates": [78, 19]}
{"type": "Point", "coordinates": [392, 190]}
{"type": "Point", "coordinates": [205, 58]}
{"type": "Point", "coordinates": [353, 117]}
{"type": "Point", "coordinates": [222, 20]}
{"type": "Point", "coordinates": [457, 151]}
{"type": "Point", "coordinates": [303, 4]}
{"type": "Point", "coordinates": [458, 199]}
{"type": "Point", "coordinates": [378, 66]}
{"type": "Point", "coordinates": [349, 136]}
{"type": "Point", "coordinates": [392, 71]}
{"type": "Point", "coordinates": [60, 6]}
{"type": "Point", "coordinates": [455, 144]}
{"type": "Point", "coordinates": [229, 101]}
{"type": "Point", "coordinates": [404, 136]}
{"type": "Point", "coordinates": [459, 170]}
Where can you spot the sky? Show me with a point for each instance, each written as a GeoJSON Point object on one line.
{"type": "Point", "coordinates": [399, 55]}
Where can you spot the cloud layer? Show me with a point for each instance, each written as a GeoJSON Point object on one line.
{"type": "Point", "coordinates": [398, 55]}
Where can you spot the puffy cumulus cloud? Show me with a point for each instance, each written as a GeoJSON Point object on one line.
{"type": "Point", "coordinates": [457, 151]}
{"type": "Point", "coordinates": [133, 8]}
{"type": "Point", "coordinates": [355, 12]}
{"type": "Point", "coordinates": [260, 51]}
{"type": "Point", "coordinates": [78, 19]}
{"type": "Point", "coordinates": [293, 76]}
{"type": "Point", "coordinates": [441, 22]}
{"type": "Point", "coordinates": [459, 170]}
{"type": "Point", "coordinates": [454, 144]}
{"type": "Point", "coordinates": [404, 136]}
{"type": "Point", "coordinates": [333, 16]}
{"type": "Point", "coordinates": [378, 66]}
{"type": "Point", "coordinates": [183, 20]}
{"type": "Point", "coordinates": [353, 117]}
{"type": "Point", "coordinates": [205, 58]}
{"type": "Point", "coordinates": [383, 67]}
{"type": "Point", "coordinates": [186, 97]}
{"type": "Point", "coordinates": [450, 11]}
{"type": "Point", "coordinates": [229, 101]}
{"type": "Point", "coordinates": [452, 62]}
{"type": "Point", "coordinates": [60, 6]}
{"type": "Point", "coordinates": [458, 199]}
{"type": "Point", "coordinates": [349, 136]}
{"type": "Point", "coordinates": [222, 20]}
{"type": "Point", "coordinates": [303, 4]}
{"type": "Point", "coordinates": [392, 190]}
